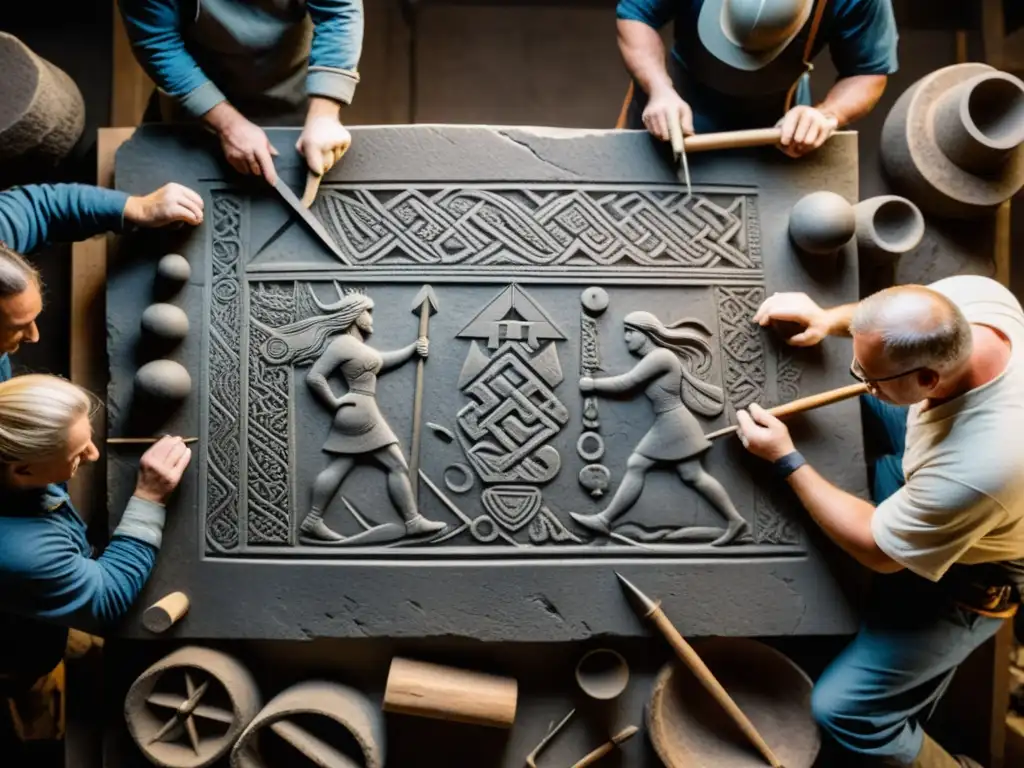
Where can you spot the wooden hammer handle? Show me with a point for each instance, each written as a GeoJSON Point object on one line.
{"type": "Point", "coordinates": [804, 404]}
{"type": "Point", "coordinates": [758, 137]}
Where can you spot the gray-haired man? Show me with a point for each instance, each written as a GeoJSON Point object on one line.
{"type": "Point", "coordinates": [952, 353]}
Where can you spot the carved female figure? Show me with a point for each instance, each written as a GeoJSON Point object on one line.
{"type": "Point", "coordinates": [672, 359]}
{"type": "Point", "coordinates": [359, 429]}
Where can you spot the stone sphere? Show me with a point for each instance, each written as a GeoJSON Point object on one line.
{"type": "Point", "coordinates": [594, 300]}
{"type": "Point", "coordinates": [165, 321]}
{"type": "Point", "coordinates": [174, 268]}
{"type": "Point", "coordinates": [822, 222]}
{"type": "Point", "coordinates": [163, 380]}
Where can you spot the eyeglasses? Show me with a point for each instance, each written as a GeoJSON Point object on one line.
{"type": "Point", "coordinates": [858, 374]}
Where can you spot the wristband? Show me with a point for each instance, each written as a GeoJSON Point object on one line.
{"type": "Point", "coordinates": [788, 464]}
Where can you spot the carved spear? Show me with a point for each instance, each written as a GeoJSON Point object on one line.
{"type": "Point", "coordinates": [424, 305]}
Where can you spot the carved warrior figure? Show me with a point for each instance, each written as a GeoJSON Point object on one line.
{"type": "Point", "coordinates": [673, 358]}
{"type": "Point", "coordinates": [359, 430]}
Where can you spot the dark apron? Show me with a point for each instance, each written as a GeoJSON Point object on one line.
{"type": "Point", "coordinates": [266, 83]}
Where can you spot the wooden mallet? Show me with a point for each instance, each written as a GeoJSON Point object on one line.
{"type": "Point", "coordinates": [803, 404]}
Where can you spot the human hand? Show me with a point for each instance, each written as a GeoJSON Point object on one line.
{"type": "Point", "coordinates": [247, 148]}
{"type": "Point", "coordinates": [804, 129]}
{"type": "Point", "coordinates": [668, 117]}
{"type": "Point", "coordinates": [586, 384]}
{"type": "Point", "coordinates": [763, 435]}
{"type": "Point", "coordinates": [422, 346]}
{"type": "Point", "coordinates": [171, 203]}
{"type": "Point", "coordinates": [161, 467]}
{"type": "Point", "coordinates": [323, 142]}
{"type": "Point", "coordinates": [795, 308]}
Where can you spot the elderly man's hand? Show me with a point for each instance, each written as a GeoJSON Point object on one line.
{"type": "Point", "coordinates": [324, 139]}
{"type": "Point", "coordinates": [169, 204]}
{"type": "Point", "coordinates": [763, 435]}
{"type": "Point", "coordinates": [804, 129]}
{"type": "Point", "coordinates": [796, 308]}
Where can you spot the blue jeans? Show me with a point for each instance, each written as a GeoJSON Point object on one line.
{"type": "Point", "coordinates": [875, 694]}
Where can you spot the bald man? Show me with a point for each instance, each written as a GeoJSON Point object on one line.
{"type": "Point", "coordinates": [944, 366]}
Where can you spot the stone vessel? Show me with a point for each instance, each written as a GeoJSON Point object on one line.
{"type": "Point", "coordinates": [954, 141]}
{"type": "Point", "coordinates": [888, 223]}
{"type": "Point", "coordinates": [42, 113]}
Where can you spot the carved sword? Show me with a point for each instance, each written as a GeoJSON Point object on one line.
{"type": "Point", "coordinates": [424, 305]}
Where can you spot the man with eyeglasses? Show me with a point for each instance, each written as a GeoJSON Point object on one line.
{"type": "Point", "coordinates": [943, 365]}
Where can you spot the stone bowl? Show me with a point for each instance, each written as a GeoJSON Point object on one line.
{"type": "Point", "coordinates": [688, 728]}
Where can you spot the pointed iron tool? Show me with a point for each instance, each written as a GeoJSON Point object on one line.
{"type": "Point", "coordinates": [309, 219]}
{"type": "Point", "coordinates": [675, 130]}
{"type": "Point", "coordinates": [651, 609]}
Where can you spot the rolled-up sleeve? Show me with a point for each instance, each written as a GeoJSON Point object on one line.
{"type": "Point", "coordinates": [865, 38]}
{"type": "Point", "coordinates": [653, 13]}
{"type": "Point", "coordinates": [337, 46]}
{"type": "Point", "coordinates": [154, 29]}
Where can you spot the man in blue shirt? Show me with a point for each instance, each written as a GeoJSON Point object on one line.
{"type": "Point", "coordinates": [228, 62]}
{"type": "Point", "coordinates": [33, 215]}
{"type": "Point", "coordinates": [734, 62]}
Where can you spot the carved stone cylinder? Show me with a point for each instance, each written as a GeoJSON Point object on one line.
{"type": "Point", "coordinates": [446, 693]}
{"type": "Point", "coordinates": [888, 223]}
{"type": "Point", "coordinates": [42, 113]}
{"type": "Point", "coordinates": [980, 121]}
{"type": "Point", "coordinates": [187, 710]}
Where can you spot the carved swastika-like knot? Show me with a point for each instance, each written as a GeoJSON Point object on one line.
{"type": "Point", "coordinates": [513, 414]}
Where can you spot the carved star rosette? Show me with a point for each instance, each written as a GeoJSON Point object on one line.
{"type": "Point", "coordinates": [188, 709]}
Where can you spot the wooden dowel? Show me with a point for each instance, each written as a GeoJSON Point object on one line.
{"type": "Point", "coordinates": [624, 735]}
{"type": "Point", "coordinates": [446, 693]}
{"type": "Point", "coordinates": [164, 613]}
{"type": "Point", "coordinates": [758, 137]}
{"type": "Point", "coordinates": [141, 440]}
{"type": "Point", "coordinates": [803, 404]}
{"type": "Point", "coordinates": [689, 656]}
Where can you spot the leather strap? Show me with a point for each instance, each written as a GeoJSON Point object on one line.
{"type": "Point", "coordinates": [819, 13]}
{"type": "Point", "coordinates": [788, 464]}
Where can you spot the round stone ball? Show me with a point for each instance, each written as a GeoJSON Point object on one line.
{"type": "Point", "coordinates": [174, 268]}
{"type": "Point", "coordinates": [822, 222]}
{"type": "Point", "coordinates": [594, 300]}
{"type": "Point", "coordinates": [163, 380]}
{"type": "Point", "coordinates": [165, 321]}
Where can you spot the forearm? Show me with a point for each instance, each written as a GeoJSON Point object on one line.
{"type": "Point", "coordinates": [644, 55]}
{"type": "Point", "coordinates": [397, 357]}
{"type": "Point", "coordinates": [320, 106]}
{"type": "Point", "coordinates": [839, 319]}
{"type": "Point", "coordinates": [318, 383]}
{"type": "Point", "coordinates": [33, 215]}
{"type": "Point", "coordinates": [851, 98]}
{"type": "Point", "coordinates": [845, 518]}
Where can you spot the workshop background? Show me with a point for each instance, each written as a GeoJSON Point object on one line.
{"type": "Point", "coordinates": [547, 62]}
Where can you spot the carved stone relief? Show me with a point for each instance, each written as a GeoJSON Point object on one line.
{"type": "Point", "coordinates": [323, 380]}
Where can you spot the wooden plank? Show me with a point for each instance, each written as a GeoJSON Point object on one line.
{"type": "Point", "coordinates": [132, 87]}
{"type": "Point", "coordinates": [1002, 256]}
{"type": "Point", "coordinates": [88, 363]}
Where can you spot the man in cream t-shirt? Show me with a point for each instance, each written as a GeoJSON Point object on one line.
{"type": "Point", "coordinates": [948, 528]}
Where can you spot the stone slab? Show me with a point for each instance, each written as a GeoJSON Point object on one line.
{"type": "Point", "coordinates": [508, 226]}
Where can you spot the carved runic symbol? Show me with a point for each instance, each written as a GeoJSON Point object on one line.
{"type": "Point", "coordinates": [513, 410]}
{"type": "Point", "coordinates": [185, 710]}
